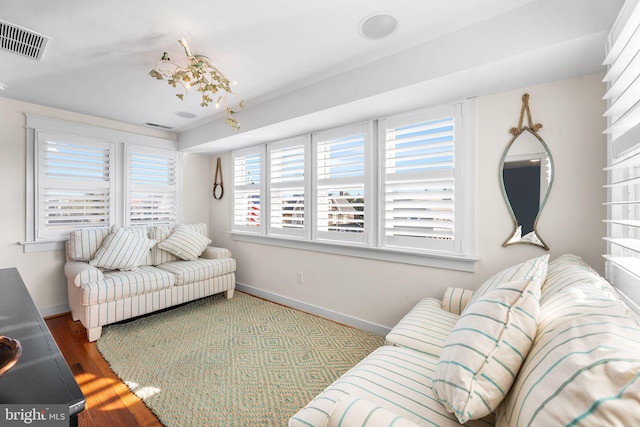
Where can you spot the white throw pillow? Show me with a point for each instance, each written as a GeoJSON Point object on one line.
{"type": "Point", "coordinates": [487, 347]}
{"type": "Point", "coordinates": [122, 250]}
{"type": "Point", "coordinates": [185, 243]}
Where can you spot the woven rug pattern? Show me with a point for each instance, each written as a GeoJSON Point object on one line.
{"type": "Point", "coordinates": [239, 362]}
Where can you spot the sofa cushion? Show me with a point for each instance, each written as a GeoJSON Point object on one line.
{"type": "Point", "coordinates": [356, 411]}
{"type": "Point", "coordinates": [201, 269]}
{"type": "Point", "coordinates": [584, 365]}
{"type": "Point", "coordinates": [525, 270]}
{"type": "Point", "coordinates": [394, 378]}
{"type": "Point", "coordinates": [425, 328]}
{"type": "Point", "coordinates": [85, 242]}
{"type": "Point", "coordinates": [185, 243]}
{"type": "Point", "coordinates": [123, 250]}
{"type": "Point", "coordinates": [117, 285]}
{"type": "Point", "coordinates": [486, 348]}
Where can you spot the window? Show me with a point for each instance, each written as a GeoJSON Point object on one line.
{"type": "Point", "coordinates": [391, 189]}
{"type": "Point", "coordinates": [247, 190]}
{"type": "Point", "coordinates": [74, 184]}
{"type": "Point", "coordinates": [341, 202]}
{"type": "Point", "coordinates": [623, 170]}
{"type": "Point", "coordinates": [152, 186]}
{"type": "Point", "coordinates": [80, 175]}
{"type": "Point", "coordinates": [288, 187]}
{"type": "Point", "coordinates": [418, 180]}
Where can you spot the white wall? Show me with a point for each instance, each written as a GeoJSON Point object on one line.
{"type": "Point", "coordinates": [380, 293]}
{"type": "Point", "coordinates": [376, 292]}
{"type": "Point", "coordinates": [42, 272]}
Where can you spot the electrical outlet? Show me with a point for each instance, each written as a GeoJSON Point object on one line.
{"type": "Point", "coordinates": [300, 277]}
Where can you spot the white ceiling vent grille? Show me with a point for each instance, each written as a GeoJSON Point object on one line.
{"type": "Point", "coordinates": [22, 41]}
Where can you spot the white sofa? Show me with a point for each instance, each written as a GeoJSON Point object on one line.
{"type": "Point", "coordinates": [562, 350]}
{"type": "Point", "coordinates": [115, 274]}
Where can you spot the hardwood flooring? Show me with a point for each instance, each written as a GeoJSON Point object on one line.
{"type": "Point", "coordinates": [109, 401]}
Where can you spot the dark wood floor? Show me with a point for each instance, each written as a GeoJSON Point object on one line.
{"type": "Point", "coordinates": [109, 401]}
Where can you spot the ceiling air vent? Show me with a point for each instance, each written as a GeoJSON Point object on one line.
{"type": "Point", "coordinates": [154, 125]}
{"type": "Point", "coordinates": [22, 41]}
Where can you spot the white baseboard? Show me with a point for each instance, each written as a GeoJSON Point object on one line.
{"type": "Point", "coordinates": [54, 310]}
{"type": "Point", "coordinates": [312, 309]}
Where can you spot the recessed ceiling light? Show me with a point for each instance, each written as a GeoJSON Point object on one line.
{"type": "Point", "coordinates": [377, 26]}
{"type": "Point", "coordinates": [185, 114]}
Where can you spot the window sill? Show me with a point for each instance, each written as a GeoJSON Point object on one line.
{"type": "Point", "coordinates": [427, 259]}
{"type": "Point", "coordinates": [42, 246]}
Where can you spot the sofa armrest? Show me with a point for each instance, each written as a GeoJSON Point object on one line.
{"type": "Point", "coordinates": [81, 273]}
{"type": "Point", "coordinates": [356, 411]}
{"type": "Point", "coordinates": [455, 300]}
{"type": "Point", "coordinates": [211, 252]}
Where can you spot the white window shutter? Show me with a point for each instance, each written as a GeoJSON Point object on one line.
{"type": "Point", "coordinates": [152, 191]}
{"type": "Point", "coordinates": [74, 186]}
{"type": "Point", "coordinates": [419, 180]}
{"type": "Point", "coordinates": [288, 187]}
{"type": "Point", "coordinates": [247, 190]}
{"type": "Point", "coordinates": [623, 170]}
{"type": "Point", "coordinates": [342, 184]}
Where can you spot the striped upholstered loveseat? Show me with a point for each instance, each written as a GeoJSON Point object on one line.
{"type": "Point", "coordinates": [118, 273]}
{"type": "Point", "coordinates": [539, 344]}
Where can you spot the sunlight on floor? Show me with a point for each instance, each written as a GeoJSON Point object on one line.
{"type": "Point", "coordinates": [111, 393]}
{"type": "Point", "coordinates": [143, 392]}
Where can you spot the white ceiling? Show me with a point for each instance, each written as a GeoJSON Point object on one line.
{"type": "Point", "coordinates": [299, 64]}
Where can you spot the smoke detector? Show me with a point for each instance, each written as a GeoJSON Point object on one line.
{"type": "Point", "coordinates": [22, 41]}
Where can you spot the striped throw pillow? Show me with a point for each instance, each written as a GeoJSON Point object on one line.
{"type": "Point", "coordinates": [123, 250]}
{"type": "Point", "coordinates": [85, 242]}
{"type": "Point", "coordinates": [455, 300]}
{"type": "Point", "coordinates": [185, 243]}
{"type": "Point", "coordinates": [526, 270]}
{"type": "Point", "coordinates": [160, 233]}
{"type": "Point", "coordinates": [483, 353]}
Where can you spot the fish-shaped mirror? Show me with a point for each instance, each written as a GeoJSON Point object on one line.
{"type": "Point", "coordinates": [526, 176]}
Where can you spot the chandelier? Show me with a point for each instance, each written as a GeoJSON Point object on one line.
{"type": "Point", "coordinates": [200, 73]}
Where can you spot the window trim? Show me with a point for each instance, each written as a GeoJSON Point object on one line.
{"type": "Point", "coordinates": [464, 260]}
{"type": "Point", "coordinates": [34, 123]}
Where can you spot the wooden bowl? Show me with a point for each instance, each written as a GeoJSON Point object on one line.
{"type": "Point", "coordinates": [10, 352]}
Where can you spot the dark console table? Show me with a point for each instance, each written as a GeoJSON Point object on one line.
{"type": "Point", "coordinates": [41, 375]}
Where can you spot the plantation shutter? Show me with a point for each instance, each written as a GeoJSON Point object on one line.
{"type": "Point", "coordinates": [342, 184]}
{"type": "Point", "coordinates": [623, 170]}
{"type": "Point", "coordinates": [247, 190]}
{"type": "Point", "coordinates": [418, 181]}
{"type": "Point", "coordinates": [152, 188]}
{"type": "Point", "coordinates": [287, 185]}
{"type": "Point", "coordinates": [74, 184]}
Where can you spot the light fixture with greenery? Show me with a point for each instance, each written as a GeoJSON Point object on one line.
{"type": "Point", "coordinates": [201, 74]}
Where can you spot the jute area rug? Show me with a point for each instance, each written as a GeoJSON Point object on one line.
{"type": "Point", "coordinates": [239, 362]}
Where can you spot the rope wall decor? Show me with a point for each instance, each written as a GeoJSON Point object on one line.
{"type": "Point", "coordinates": [525, 108]}
{"type": "Point", "coordinates": [218, 186]}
